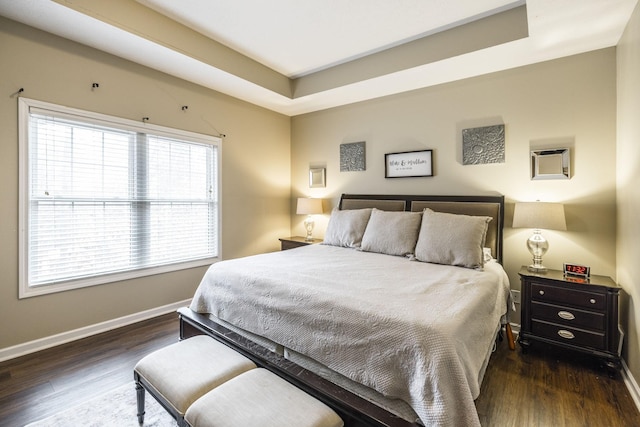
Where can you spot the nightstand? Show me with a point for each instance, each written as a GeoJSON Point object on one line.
{"type": "Point", "coordinates": [296, 242]}
{"type": "Point", "coordinates": [579, 314]}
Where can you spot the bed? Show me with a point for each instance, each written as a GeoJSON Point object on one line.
{"type": "Point", "coordinates": [391, 321]}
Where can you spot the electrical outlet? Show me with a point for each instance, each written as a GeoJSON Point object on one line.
{"type": "Point", "coordinates": [516, 296]}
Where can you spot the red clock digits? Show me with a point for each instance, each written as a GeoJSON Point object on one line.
{"type": "Point", "coordinates": [580, 270]}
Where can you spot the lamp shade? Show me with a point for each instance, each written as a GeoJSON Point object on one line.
{"type": "Point", "coordinates": [540, 215]}
{"type": "Point", "coordinates": [308, 206]}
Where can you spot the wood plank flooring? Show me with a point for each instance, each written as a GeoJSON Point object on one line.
{"type": "Point", "coordinates": [550, 386]}
{"type": "Point", "coordinates": [546, 387]}
{"type": "Point", "coordinates": [35, 386]}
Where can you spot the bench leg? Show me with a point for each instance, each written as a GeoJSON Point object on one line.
{"type": "Point", "coordinates": [140, 398]}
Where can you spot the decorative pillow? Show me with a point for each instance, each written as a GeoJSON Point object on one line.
{"type": "Point", "coordinates": [452, 239]}
{"type": "Point", "coordinates": [346, 227]}
{"type": "Point", "coordinates": [392, 233]}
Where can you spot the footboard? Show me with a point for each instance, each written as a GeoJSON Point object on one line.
{"type": "Point", "coordinates": [354, 410]}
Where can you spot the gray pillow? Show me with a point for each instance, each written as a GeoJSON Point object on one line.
{"type": "Point", "coordinates": [346, 227]}
{"type": "Point", "coordinates": [452, 239]}
{"type": "Point", "coordinates": [392, 233]}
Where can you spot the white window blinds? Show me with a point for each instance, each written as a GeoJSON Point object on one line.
{"type": "Point", "coordinates": [105, 198]}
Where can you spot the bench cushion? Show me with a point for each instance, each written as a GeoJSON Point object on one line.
{"type": "Point", "coordinates": [184, 371]}
{"type": "Point", "coordinates": [260, 398]}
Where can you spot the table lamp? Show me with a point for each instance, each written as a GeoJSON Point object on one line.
{"type": "Point", "coordinates": [539, 215]}
{"type": "Point", "coordinates": [309, 207]}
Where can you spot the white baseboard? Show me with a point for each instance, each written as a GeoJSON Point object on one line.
{"type": "Point", "coordinates": [65, 337]}
{"type": "Point", "coordinates": [515, 327]}
{"type": "Point", "coordinates": [631, 384]}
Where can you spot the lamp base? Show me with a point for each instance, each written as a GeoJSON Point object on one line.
{"type": "Point", "coordinates": [308, 224]}
{"type": "Point", "coordinates": [537, 268]}
{"type": "Point", "coordinates": [538, 246]}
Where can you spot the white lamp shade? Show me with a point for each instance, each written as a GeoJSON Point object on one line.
{"type": "Point", "coordinates": [539, 215]}
{"type": "Point", "coordinates": [307, 206]}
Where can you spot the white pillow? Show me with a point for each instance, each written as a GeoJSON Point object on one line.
{"type": "Point", "coordinates": [392, 233]}
{"type": "Point", "coordinates": [452, 239]}
{"type": "Point", "coordinates": [346, 227]}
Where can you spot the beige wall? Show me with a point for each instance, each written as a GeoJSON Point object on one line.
{"type": "Point", "coordinates": [567, 102]}
{"type": "Point", "coordinates": [628, 190]}
{"type": "Point", "coordinates": [255, 171]}
{"type": "Point", "coordinates": [266, 156]}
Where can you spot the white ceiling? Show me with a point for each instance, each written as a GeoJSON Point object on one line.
{"type": "Point", "coordinates": [300, 38]}
{"type": "Point", "coordinates": [297, 37]}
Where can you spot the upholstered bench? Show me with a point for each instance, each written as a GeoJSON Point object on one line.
{"type": "Point", "coordinates": [259, 398]}
{"type": "Point", "coordinates": [179, 374]}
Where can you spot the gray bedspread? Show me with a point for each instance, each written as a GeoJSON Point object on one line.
{"type": "Point", "coordinates": [415, 331]}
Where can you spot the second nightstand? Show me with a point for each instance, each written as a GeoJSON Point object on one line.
{"type": "Point", "coordinates": [296, 242]}
{"type": "Point", "coordinates": [578, 314]}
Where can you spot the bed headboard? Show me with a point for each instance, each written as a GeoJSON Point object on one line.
{"type": "Point", "coordinates": [492, 206]}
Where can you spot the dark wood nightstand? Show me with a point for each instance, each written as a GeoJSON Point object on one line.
{"type": "Point", "coordinates": [580, 314]}
{"type": "Point", "coordinates": [296, 242]}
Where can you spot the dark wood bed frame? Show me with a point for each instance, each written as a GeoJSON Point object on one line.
{"type": "Point", "coordinates": [354, 410]}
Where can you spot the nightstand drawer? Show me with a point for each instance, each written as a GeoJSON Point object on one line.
{"type": "Point", "coordinates": [568, 335]}
{"type": "Point", "coordinates": [288, 244]}
{"type": "Point", "coordinates": [556, 294]}
{"type": "Point", "coordinates": [571, 317]}
{"type": "Point", "coordinates": [296, 242]}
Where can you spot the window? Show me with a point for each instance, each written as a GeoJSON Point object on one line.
{"type": "Point", "coordinates": [104, 199]}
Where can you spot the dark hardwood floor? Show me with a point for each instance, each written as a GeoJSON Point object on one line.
{"type": "Point", "coordinates": [550, 386]}
{"type": "Point", "coordinates": [546, 387]}
{"type": "Point", "coordinates": [35, 386]}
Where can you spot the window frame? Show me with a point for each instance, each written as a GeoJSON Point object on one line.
{"type": "Point", "coordinates": [24, 107]}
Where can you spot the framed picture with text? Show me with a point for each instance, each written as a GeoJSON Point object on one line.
{"type": "Point", "coordinates": [408, 164]}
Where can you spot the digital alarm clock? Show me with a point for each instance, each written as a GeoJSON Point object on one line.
{"type": "Point", "coordinates": [576, 270]}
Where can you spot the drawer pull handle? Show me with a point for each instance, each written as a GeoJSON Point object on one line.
{"type": "Point", "coordinates": [566, 334]}
{"type": "Point", "coordinates": [566, 315]}
{"type": "Point", "coordinates": [592, 301]}
{"type": "Point", "coordinates": [541, 292]}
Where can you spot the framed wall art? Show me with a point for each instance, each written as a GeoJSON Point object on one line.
{"type": "Point", "coordinates": [408, 164]}
{"type": "Point", "coordinates": [551, 164]}
{"type": "Point", "coordinates": [483, 145]}
{"type": "Point", "coordinates": [352, 157]}
{"type": "Point", "coordinates": [317, 177]}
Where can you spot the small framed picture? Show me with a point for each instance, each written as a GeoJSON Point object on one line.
{"type": "Point", "coordinates": [317, 177]}
{"type": "Point", "coordinates": [408, 164]}
{"type": "Point", "coordinates": [550, 164]}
